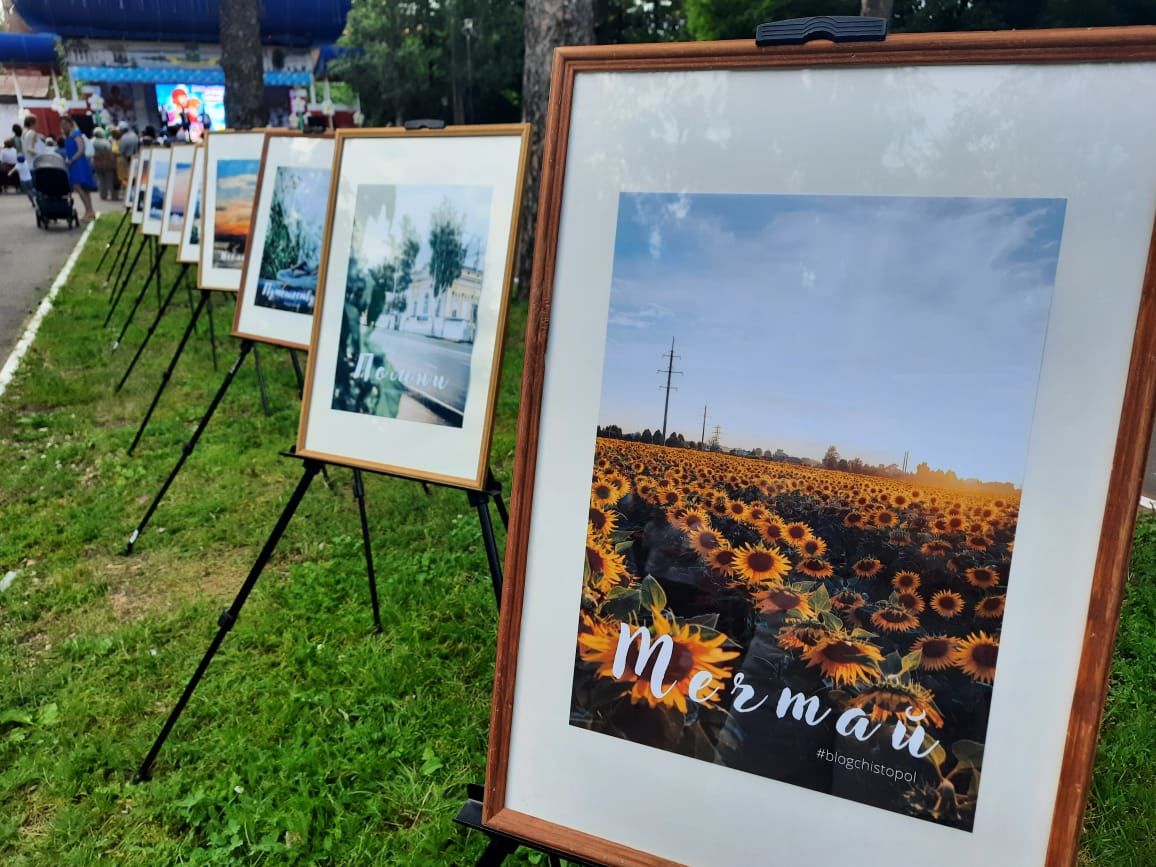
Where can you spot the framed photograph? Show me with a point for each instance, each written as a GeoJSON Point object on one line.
{"type": "Point", "coordinates": [283, 258]}
{"type": "Point", "coordinates": [190, 249]}
{"type": "Point", "coordinates": [827, 410]}
{"type": "Point", "coordinates": [141, 185]}
{"type": "Point", "coordinates": [155, 192]}
{"type": "Point", "coordinates": [176, 200]}
{"type": "Point", "coordinates": [130, 187]}
{"type": "Point", "coordinates": [411, 304]}
{"type": "Point", "coordinates": [232, 163]}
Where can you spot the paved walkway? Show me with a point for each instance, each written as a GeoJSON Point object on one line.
{"type": "Point", "coordinates": [30, 259]}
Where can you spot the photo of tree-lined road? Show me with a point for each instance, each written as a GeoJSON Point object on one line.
{"type": "Point", "coordinates": [413, 286]}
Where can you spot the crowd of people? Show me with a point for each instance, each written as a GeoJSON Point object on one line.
{"type": "Point", "coordinates": [96, 164]}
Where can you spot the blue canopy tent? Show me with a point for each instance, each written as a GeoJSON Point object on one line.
{"type": "Point", "coordinates": [285, 22]}
{"type": "Point", "coordinates": [27, 49]}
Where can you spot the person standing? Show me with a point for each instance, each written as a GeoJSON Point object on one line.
{"type": "Point", "coordinates": [79, 169]}
{"type": "Point", "coordinates": [129, 146]}
{"type": "Point", "coordinates": [8, 157]}
{"type": "Point", "coordinates": [103, 164]}
{"type": "Point", "coordinates": [17, 131]}
{"type": "Point", "coordinates": [30, 139]}
{"type": "Point", "coordinates": [121, 169]}
{"type": "Point", "coordinates": [24, 172]}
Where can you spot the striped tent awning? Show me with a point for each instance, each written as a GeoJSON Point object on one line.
{"type": "Point", "coordinates": [184, 74]}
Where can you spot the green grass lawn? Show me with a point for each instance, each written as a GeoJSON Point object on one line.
{"type": "Point", "coordinates": [311, 739]}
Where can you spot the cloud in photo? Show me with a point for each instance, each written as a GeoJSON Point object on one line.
{"type": "Point", "coordinates": [877, 324]}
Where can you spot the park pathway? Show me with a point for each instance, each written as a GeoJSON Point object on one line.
{"type": "Point", "coordinates": [30, 259]}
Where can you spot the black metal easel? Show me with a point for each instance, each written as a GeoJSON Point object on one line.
{"type": "Point", "coordinates": [122, 247]}
{"type": "Point", "coordinates": [228, 618]}
{"type": "Point", "coordinates": [112, 241]}
{"type": "Point", "coordinates": [168, 371]}
{"type": "Point", "coordinates": [153, 326]}
{"type": "Point", "coordinates": [154, 272]}
{"type": "Point", "coordinates": [187, 448]}
{"type": "Point", "coordinates": [122, 279]}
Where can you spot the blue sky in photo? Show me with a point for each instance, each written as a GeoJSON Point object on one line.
{"type": "Point", "coordinates": [306, 201]}
{"type": "Point", "coordinates": [877, 324]}
{"type": "Point", "coordinates": [236, 179]}
{"type": "Point", "coordinates": [380, 209]}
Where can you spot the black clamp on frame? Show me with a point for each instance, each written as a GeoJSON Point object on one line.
{"type": "Point", "coordinates": [425, 123]}
{"type": "Point", "coordinates": [837, 28]}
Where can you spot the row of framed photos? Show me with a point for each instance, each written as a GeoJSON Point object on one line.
{"type": "Point", "coordinates": [758, 647]}
{"type": "Point", "coordinates": [402, 242]}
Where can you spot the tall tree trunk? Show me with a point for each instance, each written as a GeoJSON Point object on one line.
{"type": "Point", "coordinates": [547, 24]}
{"type": "Point", "coordinates": [243, 62]}
{"type": "Point", "coordinates": [877, 8]}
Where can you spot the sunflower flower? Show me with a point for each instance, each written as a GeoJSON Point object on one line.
{"type": "Point", "coordinates": [759, 565]}
{"type": "Point", "coordinates": [894, 618]}
{"type": "Point", "coordinates": [843, 659]}
{"type": "Point", "coordinates": [693, 651]}
{"type": "Point", "coordinates": [936, 652]}
{"type": "Point", "coordinates": [947, 603]}
{"type": "Point", "coordinates": [976, 656]}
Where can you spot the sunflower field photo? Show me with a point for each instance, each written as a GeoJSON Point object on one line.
{"type": "Point", "coordinates": [829, 507]}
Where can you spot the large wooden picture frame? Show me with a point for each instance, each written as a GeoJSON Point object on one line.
{"type": "Point", "coordinates": [232, 163]}
{"type": "Point", "coordinates": [411, 305]}
{"type": "Point", "coordinates": [675, 179]}
{"type": "Point", "coordinates": [177, 189]}
{"type": "Point", "coordinates": [189, 252]}
{"type": "Point", "coordinates": [130, 187]}
{"type": "Point", "coordinates": [140, 185]}
{"type": "Point", "coordinates": [154, 193]}
{"type": "Point", "coordinates": [277, 296]}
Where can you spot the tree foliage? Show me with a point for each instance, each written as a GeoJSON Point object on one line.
{"type": "Point", "coordinates": [421, 59]}
{"type": "Point", "coordinates": [737, 19]}
{"type": "Point", "coordinates": [931, 15]}
{"type": "Point", "coordinates": [447, 250]}
{"type": "Point", "coordinates": [620, 21]}
{"type": "Point", "coordinates": [288, 240]}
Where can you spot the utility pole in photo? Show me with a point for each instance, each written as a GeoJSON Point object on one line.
{"type": "Point", "coordinates": [702, 439]}
{"type": "Point", "coordinates": [715, 445]}
{"type": "Point", "coordinates": [670, 371]}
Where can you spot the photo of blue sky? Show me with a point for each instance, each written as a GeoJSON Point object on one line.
{"type": "Point", "coordinates": [877, 324]}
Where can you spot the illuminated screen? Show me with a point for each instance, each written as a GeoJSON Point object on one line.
{"type": "Point", "coordinates": [199, 102]}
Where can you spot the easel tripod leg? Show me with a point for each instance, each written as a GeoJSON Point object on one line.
{"type": "Point", "coordinates": [481, 501]}
{"type": "Point", "coordinates": [230, 615]}
{"type": "Point", "coordinates": [494, 488]}
{"type": "Point", "coordinates": [168, 372]}
{"type": "Point", "coordinates": [124, 281]}
{"type": "Point", "coordinates": [111, 241]}
{"type": "Point", "coordinates": [297, 372]}
{"type": "Point", "coordinates": [188, 447]}
{"type": "Point", "coordinates": [359, 495]}
{"type": "Point", "coordinates": [212, 334]}
{"type": "Point", "coordinates": [118, 263]}
{"type": "Point", "coordinates": [261, 382]}
{"type": "Point", "coordinates": [154, 271]}
{"type": "Point", "coordinates": [496, 852]}
{"type": "Point", "coordinates": [153, 327]}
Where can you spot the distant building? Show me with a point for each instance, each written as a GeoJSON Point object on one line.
{"type": "Point", "coordinates": [158, 62]}
{"type": "Point", "coordinates": [453, 316]}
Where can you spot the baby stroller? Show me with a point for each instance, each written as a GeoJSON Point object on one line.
{"type": "Point", "coordinates": [52, 193]}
